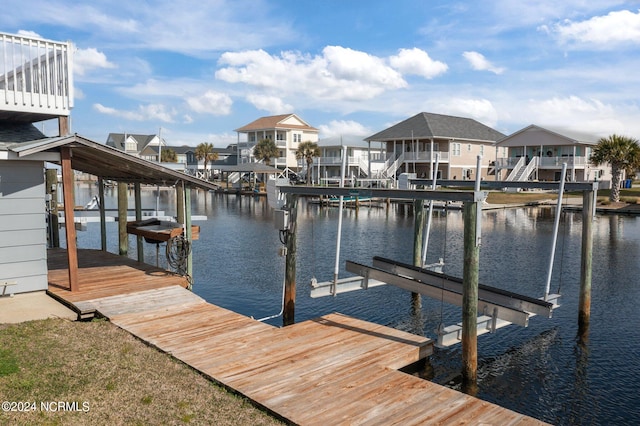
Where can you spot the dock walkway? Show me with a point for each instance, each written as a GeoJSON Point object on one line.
{"type": "Point", "coordinates": [331, 370]}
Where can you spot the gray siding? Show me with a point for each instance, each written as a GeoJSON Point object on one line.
{"type": "Point", "coordinates": [23, 245]}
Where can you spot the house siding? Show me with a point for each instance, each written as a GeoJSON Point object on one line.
{"type": "Point", "coordinates": [23, 247]}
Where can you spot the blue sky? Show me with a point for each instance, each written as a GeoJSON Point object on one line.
{"type": "Point", "coordinates": [199, 69]}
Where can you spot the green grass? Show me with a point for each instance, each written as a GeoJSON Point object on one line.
{"type": "Point", "coordinates": [123, 380]}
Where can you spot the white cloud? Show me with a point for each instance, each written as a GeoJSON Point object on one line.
{"type": "Point", "coordinates": [480, 63]}
{"type": "Point", "coordinates": [343, 127]}
{"type": "Point", "coordinates": [211, 102]}
{"type": "Point", "coordinates": [151, 112]}
{"type": "Point", "coordinates": [575, 113]}
{"type": "Point", "coordinates": [338, 74]}
{"type": "Point", "coordinates": [416, 61]}
{"type": "Point", "coordinates": [88, 59]}
{"type": "Point", "coordinates": [601, 31]}
{"type": "Point", "coordinates": [273, 104]}
{"type": "Point", "coordinates": [26, 33]}
{"type": "Point", "coordinates": [481, 110]}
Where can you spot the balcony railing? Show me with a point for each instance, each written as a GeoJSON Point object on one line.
{"type": "Point", "coordinates": [36, 78]}
{"type": "Point", "coordinates": [546, 162]}
{"type": "Point", "coordinates": [426, 156]}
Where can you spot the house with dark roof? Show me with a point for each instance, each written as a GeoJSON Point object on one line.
{"type": "Point", "coordinates": [287, 130]}
{"type": "Point", "coordinates": [413, 145]}
{"type": "Point", "coordinates": [537, 153]}
{"type": "Point", "coordinates": [139, 145]}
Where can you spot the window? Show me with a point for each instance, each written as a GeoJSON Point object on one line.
{"type": "Point", "coordinates": [455, 149]}
{"type": "Point", "coordinates": [481, 149]}
{"type": "Point", "coordinates": [297, 137]}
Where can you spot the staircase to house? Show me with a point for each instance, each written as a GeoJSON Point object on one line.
{"type": "Point", "coordinates": [522, 171]}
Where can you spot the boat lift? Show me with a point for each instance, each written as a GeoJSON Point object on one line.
{"type": "Point", "coordinates": [499, 307]}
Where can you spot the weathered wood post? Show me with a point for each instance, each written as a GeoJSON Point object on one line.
{"type": "Point", "coordinates": [584, 307]}
{"type": "Point", "coordinates": [470, 295]}
{"type": "Point", "coordinates": [288, 315]}
{"type": "Point", "coordinates": [180, 203]}
{"type": "Point", "coordinates": [187, 231]}
{"type": "Point", "coordinates": [52, 191]}
{"type": "Point", "coordinates": [69, 225]}
{"type": "Point", "coordinates": [138, 206]}
{"type": "Point", "coordinates": [123, 238]}
{"type": "Point", "coordinates": [418, 235]}
{"type": "Point", "coordinates": [103, 215]}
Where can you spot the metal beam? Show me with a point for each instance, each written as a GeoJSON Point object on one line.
{"type": "Point", "coordinates": [407, 194]}
{"type": "Point", "coordinates": [490, 294]}
{"type": "Point", "coordinates": [435, 291]}
{"type": "Point", "coordinates": [569, 186]}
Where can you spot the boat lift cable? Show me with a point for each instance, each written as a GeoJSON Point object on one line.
{"type": "Point", "coordinates": [314, 280]}
{"type": "Point", "coordinates": [336, 269]}
{"type": "Point", "coordinates": [564, 237]}
{"type": "Point", "coordinates": [556, 225]}
{"type": "Point", "coordinates": [425, 243]}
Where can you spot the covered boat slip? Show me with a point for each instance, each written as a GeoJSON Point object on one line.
{"type": "Point", "coordinates": [331, 370]}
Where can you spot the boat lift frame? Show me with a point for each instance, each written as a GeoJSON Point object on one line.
{"type": "Point", "coordinates": [472, 201]}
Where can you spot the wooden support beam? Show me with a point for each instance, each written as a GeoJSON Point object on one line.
{"type": "Point", "coordinates": [63, 126]}
{"type": "Point", "coordinates": [470, 295]}
{"type": "Point", "coordinates": [138, 207]}
{"type": "Point", "coordinates": [123, 237]}
{"type": "Point", "coordinates": [69, 225]}
{"type": "Point", "coordinates": [187, 230]}
{"type": "Point", "coordinates": [288, 315]}
{"type": "Point", "coordinates": [103, 215]}
{"type": "Point", "coordinates": [419, 219]}
{"type": "Point", "coordinates": [586, 255]}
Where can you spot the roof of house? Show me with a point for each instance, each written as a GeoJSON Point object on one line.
{"type": "Point", "coordinates": [117, 140]}
{"type": "Point", "coordinates": [12, 132]}
{"type": "Point", "coordinates": [427, 125]}
{"type": "Point", "coordinates": [554, 136]}
{"type": "Point", "coordinates": [103, 161]}
{"type": "Point", "coordinates": [276, 122]}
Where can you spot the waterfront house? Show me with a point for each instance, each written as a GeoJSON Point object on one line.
{"type": "Point", "coordinates": [287, 130]}
{"type": "Point", "coordinates": [362, 160]}
{"type": "Point", "coordinates": [138, 145]}
{"type": "Point", "coordinates": [413, 144]}
{"type": "Point", "coordinates": [537, 153]}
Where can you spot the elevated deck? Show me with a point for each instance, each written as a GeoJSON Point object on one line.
{"type": "Point", "coordinates": [331, 370]}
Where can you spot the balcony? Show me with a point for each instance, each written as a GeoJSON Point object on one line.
{"type": "Point", "coordinates": [547, 162]}
{"type": "Point", "coordinates": [425, 156]}
{"type": "Point", "coordinates": [36, 78]}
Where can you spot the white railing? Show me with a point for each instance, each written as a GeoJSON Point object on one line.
{"type": "Point", "coordinates": [544, 162]}
{"type": "Point", "coordinates": [388, 172]}
{"type": "Point", "coordinates": [557, 161]}
{"type": "Point", "coordinates": [36, 75]}
{"type": "Point", "coordinates": [426, 156]}
{"type": "Point", "coordinates": [516, 169]}
{"type": "Point", "coordinates": [364, 166]}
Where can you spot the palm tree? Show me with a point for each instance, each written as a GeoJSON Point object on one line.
{"type": "Point", "coordinates": [204, 151]}
{"type": "Point", "coordinates": [307, 151]}
{"type": "Point", "coordinates": [169, 156]}
{"type": "Point", "coordinates": [623, 153]}
{"type": "Point", "coordinates": [265, 150]}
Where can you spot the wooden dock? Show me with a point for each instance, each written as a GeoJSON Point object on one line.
{"type": "Point", "coordinates": [331, 370]}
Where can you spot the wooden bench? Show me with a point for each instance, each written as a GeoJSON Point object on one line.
{"type": "Point", "coordinates": [4, 285]}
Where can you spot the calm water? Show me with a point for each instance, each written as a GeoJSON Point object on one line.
{"type": "Point", "coordinates": [542, 370]}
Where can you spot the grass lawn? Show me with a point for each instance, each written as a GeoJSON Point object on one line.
{"type": "Point", "coordinates": [106, 376]}
{"type": "Point", "coordinates": [629, 196]}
